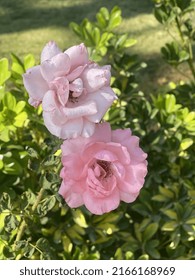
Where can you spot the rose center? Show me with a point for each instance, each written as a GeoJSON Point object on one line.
{"type": "Point", "coordinates": [71, 98]}
{"type": "Point", "coordinates": [103, 169]}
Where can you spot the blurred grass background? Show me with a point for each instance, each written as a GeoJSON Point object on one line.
{"type": "Point", "coordinates": [27, 25]}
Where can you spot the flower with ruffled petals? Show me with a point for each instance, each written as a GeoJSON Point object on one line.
{"type": "Point", "coordinates": [75, 93]}
{"type": "Point", "coordinates": [102, 170]}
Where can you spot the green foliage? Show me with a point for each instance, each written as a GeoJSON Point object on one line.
{"type": "Point", "coordinates": [176, 16]}
{"type": "Point", "coordinates": [35, 223]}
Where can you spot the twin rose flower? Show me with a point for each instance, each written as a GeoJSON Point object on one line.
{"type": "Point", "coordinates": [101, 167]}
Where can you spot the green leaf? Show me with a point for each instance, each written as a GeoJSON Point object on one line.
{"type": "Point", "coordinates": [183, 4]}
{"type": "Point", "coordinates": [183, 56]}
{"type": "Point", "coordinates": [105, 13]}
{"type": "Point", "coordinates": [170, 226]}
{"type": "Point", "coordinates": [20, 119]}
{"type": "Point", "coordinates": [170, 102]}
{"type": "Point", "coordinates": [102, 21]}
{"type": "Point", "coordinates": [10, 223]}
{"type": "Point", "coordinates": [17, 65]}
{"type": "Point", "coordinates": [159, 198]}
{"type": "Point", "coordinates": [189, 117]}
{"type": "Point", "coordinates": [9, 101]}
{"type": "Point", "coordinates": [4, 72]}
{"type": "Point", "coordinates": [166, 192]}
{"type": "Point", "coordinates": [76, 28]}
{"type": "Point", "coordinates": [20, 106]}
{"type": "Point", "coordinates": [161, 14]}
{"type": "Point", "coordinates": [17, 68]}
{"type": "Point", "coordinates": [79, 218]}
{"type": "Point", "coordinates": [29, 61]}
{"type": "Point", "coordinates": [8, 253]}
{"type": "Point", "coordinates": [190, 221]}
{"type": "Point", "coordinates": [12, 166]}
{"type": "Point", "coordinates": [186, 143]}
{"type": "Point", "coordinates": [96, 35]}
{"type": "Point", "coordinates": [4, 135]}
{"type": "Point", "coordinates": [154, 253]}
{"type": "Point", "coordinates": [5, 202]}
{"type": "Point", "coordinates": [150, 231]}
{"type": "Point", "coordinates": [46, 205]}
{"type": "Point", "coordinates": [170, 213]}
{"type": "Point", "coordinates": [130, 42]}
{"type": "Point", "coordinates": [115, 18]}
{"type": "Point", "coordinates": [121, 41]}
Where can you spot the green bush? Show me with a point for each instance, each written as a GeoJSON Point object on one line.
{"type": "Point", "coordinates": [36, 224]}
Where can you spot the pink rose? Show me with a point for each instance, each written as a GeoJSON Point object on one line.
{"type": "Point", "coordinates": [102, 170]}
{"type": "Point", "coordinates": [75, 93]}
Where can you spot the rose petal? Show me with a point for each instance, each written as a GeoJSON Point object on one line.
{"type": "Point", "coordinates": [95, 77]}
{"type": "Point", "coordinates": [101, 205]}
{"type": "Point", "coordinates": [78, 55]}
{"type": "Point", "coordinates": [75, 73]}
{"type": "Point", "coordinates": [71, 146]}
{"type": "Point", "coordinates": [88, 128]}
{"type": "Point", "coordinates": [55, 67]}
{"type": "Point", "coordinates": [102, 133]}
{"type": "Point", "coordinates": [120, 135]}
{"type": "Point", "coordinates": [51, 49]}
{"type": "Point", "coordinates": [134, 178]}
{"type": "Point", "coordinates": [132, 144]}
{"type": "Point", "coordinates": [128, 197]}
{"type": "Point", "coordinates": [73, 199]}
{"type": "Point", "coordinates": [34, 83]}
{"type": "Point", "coordinates": [49, 101]}
{"type": "Point", "coordinates": [103, 99]}
{"type": "Point", "coordinates": [51, 126]}
{"type": "Point", "coordinates": [73, 167]}
{"type": "Point", "coordinates": [71, 129]}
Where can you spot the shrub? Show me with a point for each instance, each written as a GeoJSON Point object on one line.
{"type": "Point", "coordinates": [160, 224]}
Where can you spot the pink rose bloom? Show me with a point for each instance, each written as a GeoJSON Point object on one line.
{"type": "Point", "coordinates": [101, 170]}
{"type": "Point", "coordinates": [75, 93]}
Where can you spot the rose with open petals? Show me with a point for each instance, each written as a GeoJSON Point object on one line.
{"type": "Point", "coordinates": [75, 93]}
{"type": "Point", "coordinates": [103, 169]}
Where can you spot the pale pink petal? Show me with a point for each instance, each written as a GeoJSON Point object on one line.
{"type": "Point", "coordinates": [120, 152]}
{"type": "Point", "coordinates": [88, 128]}
{"type": "Point", "coordinates": [76, 87]}
{"type": "Point", "coordinates": [61, 87]}
{"type": "Point", "coordinates": [78, 56]}
{"type": "Point", "coordinates": [132, 144]}
{"type": "Point", "coordinates": [101, 205]}
{"type": "Point", "coordinates": [55, 67]}
{"type": "Point", "coordinates": [51, 49]}
{"type": "Point", "coordinates": [33, 102]}
{"type": "Point", "coordinates": [102, 133]}
{"type": "Point", "coordinates": [106, 155]}
{"type": "Point", "coordinates": [128, 197]}
{"type": "Point", "coordinates": [119, 170]}
{"type": "Point", "coordinates": [103, 99]}
{"type": "Point", "coordinates": [91, 149]}
{"type": "Point", "coordinates": [34, 83]}
{"type": "Point", "coordinates": [73, 167]}
{"type": "Point", "coordinates": [120, 135]}
{"type": "Point", "coordinates": [75, 73]}
{"type": "Point", "coordinates": [134, 178]}
{"type": "Point", "coordinates": [50, 124]}
{"type": "Point", "coordinates": [86, 109]}
{"type": "Point", "coordinates": [73, 199]}
{"type": "Point", "coordinates": [49, 101]}
{"type": "Point", "coordinates": [71, 146]}
{"type": "Point", "coordinates": [95, 77]}
{"type": "Point", "coordinates": [72, 129]}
